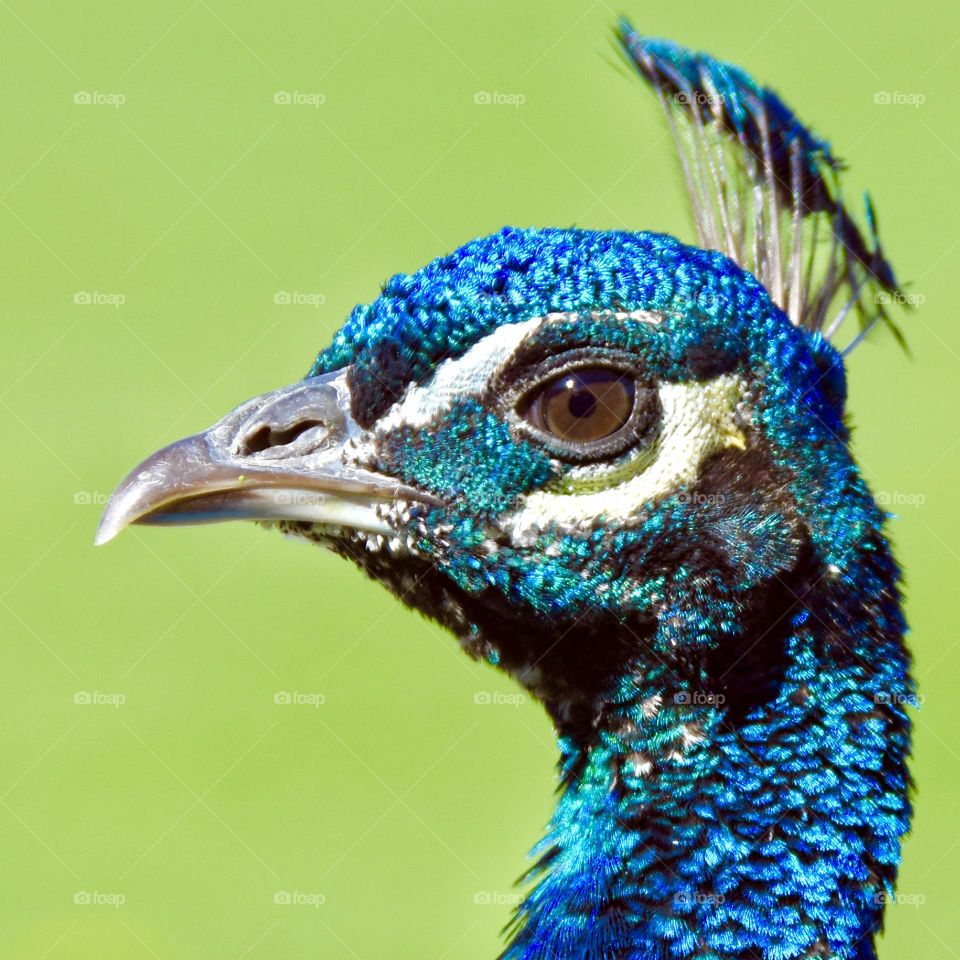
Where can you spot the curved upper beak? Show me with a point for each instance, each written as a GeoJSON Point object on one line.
{"type": "Point", "coordinates": [279, 456]}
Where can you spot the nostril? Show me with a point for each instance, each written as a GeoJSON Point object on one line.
{"type": "Point", "coordinates": [267, 437]}
{"type": "Point", "coordinates": [290, 424]}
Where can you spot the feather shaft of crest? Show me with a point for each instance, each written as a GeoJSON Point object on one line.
{"type": "Point", "coordinates": [764, 190]}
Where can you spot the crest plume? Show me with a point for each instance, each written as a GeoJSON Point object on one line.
{"type": "Point", "coordinates": [765, 190]}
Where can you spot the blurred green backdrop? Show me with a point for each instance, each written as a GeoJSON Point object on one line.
{"type": "Point", "coordinates": [192, 196]}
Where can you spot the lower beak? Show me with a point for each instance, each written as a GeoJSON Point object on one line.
{"type": "Point", "coordinates": [277, 457]}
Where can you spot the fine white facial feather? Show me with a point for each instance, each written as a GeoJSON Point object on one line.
{"type": "Point", "coordinates": [698, 419]}
{"type": "Point", "coordinates": [467, 376]}
{"type": "Point", "coordinates": [458, 378]}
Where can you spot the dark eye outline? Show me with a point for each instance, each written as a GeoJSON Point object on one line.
{"type": "Point", "coordinates": [640, 424]}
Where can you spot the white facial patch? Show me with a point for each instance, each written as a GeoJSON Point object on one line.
{"type": "Point", "coordinates": [469, 375]}
{"type": "Point", "coordinates": [698, 419]}
{"type": "Point", "coordinates": [458, 378]}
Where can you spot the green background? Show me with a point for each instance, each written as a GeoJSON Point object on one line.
{"type": "Point", "coordinates": [400, 801]}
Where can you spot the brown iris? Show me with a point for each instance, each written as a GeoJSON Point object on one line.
{"type": "Point", "coordinates": [582, 406]}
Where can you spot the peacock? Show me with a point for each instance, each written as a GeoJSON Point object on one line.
{"type": "Point", "coordinates": [618, 468]}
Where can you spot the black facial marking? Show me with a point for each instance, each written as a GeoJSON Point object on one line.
{"type": "Point", "coordinates": [378, 384]}
{"type": "Point", "coordinates": [569, 666]}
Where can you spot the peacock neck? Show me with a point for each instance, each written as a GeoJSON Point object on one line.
{"type": "Point", "coordinates": [732, 810]}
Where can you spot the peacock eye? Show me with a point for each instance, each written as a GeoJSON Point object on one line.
{"type": "Point", "coordinates": [582, 406]}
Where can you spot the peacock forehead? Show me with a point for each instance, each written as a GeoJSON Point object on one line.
{"type": "Point", "coordinates": [444, 309]}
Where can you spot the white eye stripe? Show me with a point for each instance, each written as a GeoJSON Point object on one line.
{"type": "Point", "coordinates": [698, 420]}
{"type": "Point", "coordinates": [458, 378]}
{"type": "Point", "coordinates": [644, 316]}
{"type": "Point", "coordinates": [467, 376]}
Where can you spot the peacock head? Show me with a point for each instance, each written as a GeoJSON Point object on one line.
{"type": "Point", "coordinates": [580, 451]}
{"type": "Point", "coordinates": [617, 467]}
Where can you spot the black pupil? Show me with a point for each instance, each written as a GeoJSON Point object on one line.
{"type": "Point", "coordinates": [582, 403]}
{"type": "Point", "coordinates": [583, 406]}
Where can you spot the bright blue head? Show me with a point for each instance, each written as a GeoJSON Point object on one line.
{"type": "Point", "coordinates": [718, 474]}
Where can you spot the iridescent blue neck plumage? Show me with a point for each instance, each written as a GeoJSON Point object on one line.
{"type": "Point", "coordinates": [695, 823]}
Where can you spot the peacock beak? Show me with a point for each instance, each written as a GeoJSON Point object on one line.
{"type": "Point", "coordinates": [280, 456]}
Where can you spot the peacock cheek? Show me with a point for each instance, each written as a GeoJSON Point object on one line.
{"type": "Point", "coordinates": [467, 458]}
